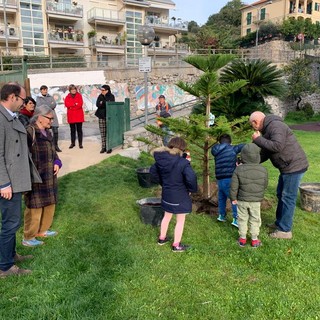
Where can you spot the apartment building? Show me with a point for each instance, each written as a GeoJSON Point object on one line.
{"type": "Point", "coordinates": [105, 29]}
{"type": "Point", "coordinates": [276, 11]}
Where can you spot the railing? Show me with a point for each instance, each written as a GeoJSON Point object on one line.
{"type": "Point", "coordinates": [178, 109]}
{"type": "Point", "coordinates": [159, 47]}
{"type": "Point", "coordinates": [105, 60]}
{"type": "Point", "coordinates": [106, 41]}
{"type": "Point", "coordinates": [65, 9]}
{"type": "Point", "coordinates": [106, 15]}
{"type": "Point", "coordinates": [63, 36]}
{"type": "Point", "coordinates": [164, 23]}
{"type": "Point", "coordinates": [9, 4]}
{"type": "Point", "coordinates": [12, 32]}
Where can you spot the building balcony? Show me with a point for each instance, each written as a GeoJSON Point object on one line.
{"type": "Point", "coordinates": [106, 45]}
{"type": "Point", "coordinates": [260, 19]}
{"type": "Point", "coordinates": [159, 50]}
{"type": "Point", "coordinates": [63, 11]}
{"type": "Point", "coordinates": [61, 39]}
{"type": "Point", "coordinates": [13, 34]}
{"type": "Point", "coordinates": [136, 3]}
{"type": "Point", "coordinates": [106, 17]}
{"type": "Point", "coordinates": [165, 26]}
{"type": "Point", "coordinates": [11, 6]}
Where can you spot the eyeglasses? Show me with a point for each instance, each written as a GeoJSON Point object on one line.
{"type": "Point", "coordinates": [49, 118]}
{"type": "Point", "coordinates": [103, 89]}
{"type": "Point", "coordinates": [24, 100]}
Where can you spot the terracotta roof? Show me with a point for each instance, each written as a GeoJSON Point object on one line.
{"type": "Point", "coordinates": [254, 4]}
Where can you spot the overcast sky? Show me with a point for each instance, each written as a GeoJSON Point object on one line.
{"type": "Point", "coordinates": [199, 10]}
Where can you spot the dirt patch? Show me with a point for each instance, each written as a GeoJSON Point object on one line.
{"type": "Point", "coordinates": [210, 206]}
{"type": "Point", "coordinates": [312, 126]}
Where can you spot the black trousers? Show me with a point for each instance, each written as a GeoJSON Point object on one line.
{"type": "Point", "coordinates": [55, 135]}
{"type": "Point", "coordinates": [73, 128]}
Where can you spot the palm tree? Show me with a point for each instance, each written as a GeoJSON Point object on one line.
{"type": "Point", "coordinates": [263, 80]}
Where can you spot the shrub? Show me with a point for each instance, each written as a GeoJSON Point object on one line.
{"type": "Point", "coordinates": [308, 110]}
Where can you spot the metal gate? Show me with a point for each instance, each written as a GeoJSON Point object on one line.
{"type": "Point", "coordinates": [19, 76]}
{"type": "Point", "coordinates": [118, 122]}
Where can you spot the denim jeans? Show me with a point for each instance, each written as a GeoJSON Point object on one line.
{"type": "Point", "coordinates": [11, 221]}
{"type": "Point", "coordinates": [287, 191]}
{"type": "Point", "coordinates": [223, 195]}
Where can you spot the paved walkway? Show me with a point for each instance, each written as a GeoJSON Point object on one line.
{"type": "Point", "coordinates": [77, 159]}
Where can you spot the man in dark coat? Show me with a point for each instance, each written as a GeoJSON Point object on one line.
{"type": "Point", "coordinates": [279, 144]}
{"type": "Point", "coordinates": [14, 176]}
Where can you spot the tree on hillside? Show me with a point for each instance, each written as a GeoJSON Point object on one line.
{"type": "Point", "coordinates": [223, 28]}
{"type": "Point", "coordinates": [193, 27]}
{"type": "Point", "coordinates": [299, 80]}
{"type": "Point", "coordinates": [226, 24]}
{"type": "Point", "coordinates": [230, 15]}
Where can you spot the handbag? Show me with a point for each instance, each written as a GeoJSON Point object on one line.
{"type": "Point", "coordinates": [35, 175]}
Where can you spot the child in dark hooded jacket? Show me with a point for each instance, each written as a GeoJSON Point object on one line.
{"type": "Point", "coordinates": [248, 183]}
{"type": "Point", "coordinates": [225, 159]}
{"type": "Point", "coordinates": [175, 175]}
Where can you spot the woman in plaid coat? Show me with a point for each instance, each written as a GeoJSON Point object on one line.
{"type": "Point", "coordinates": [41, 200]}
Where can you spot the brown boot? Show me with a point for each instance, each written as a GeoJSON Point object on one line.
{"type": "Point", "coordinates": [14, 271]}
{"type": "Point", "coordinates": [20, 258]}
{"type": "Point", "coordinates": [277, 234]}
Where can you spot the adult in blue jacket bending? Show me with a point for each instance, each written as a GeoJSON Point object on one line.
{"type": "Point", "coordinates": [177, 178]}
{"type": "Point", "coordinates": [225, 158]}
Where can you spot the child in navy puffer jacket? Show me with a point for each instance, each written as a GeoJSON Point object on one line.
{"type": "Point", "coordinates": [225, 157]}
{"type": "Point", "coordinates": [175, 175]}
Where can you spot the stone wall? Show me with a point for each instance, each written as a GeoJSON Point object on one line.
{"type": "Point", "coordinates": [158, 76]}
{"type": "Point", "coordinates": [130, 139]}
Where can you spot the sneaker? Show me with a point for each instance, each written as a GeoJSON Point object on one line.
{"type": "Point", "coordinates": [277, 234]}
{"type": "Point", "coordinates": [14, 271]}
{"type": "Point", "coordinates": [180, 248]}
{"type": "Point", "coordinates": [32, 243]}
{"type": "Point", "coordinates": [20, 258]}
{"type": "Point", "coordinates": [221, 218]}
{"type": "Point", "coordinates": [256, 243]}
{"type": "Point", "coordinates": [242, 242]}
{"type": "Point", "coordinates": [46, 234]}
{"type": "Point", "coordinates": [164, 241]}
{"type": "Point", "coordinates": [234, 222]}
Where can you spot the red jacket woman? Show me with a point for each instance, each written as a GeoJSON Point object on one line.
{"type": "Point", "coordinates": [74, 103]}
{"type": "Point", "coordinates": [75, 114]}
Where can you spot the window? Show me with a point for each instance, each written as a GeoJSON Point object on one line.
{"type": "Point", "coordinates": [248, 30]}
{"type": "Point", "coordinates": [249, 18]}
{"type": "Point", "coordinates": [32, 26]}
{"type": "Point", "coordinates": [263, 14]}
{"type": "Point", "coordinates": [317, 6]}
{"type": "Point", "coordinates": [134, 48]}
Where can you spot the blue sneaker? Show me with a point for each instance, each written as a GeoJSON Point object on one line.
{"type": "Point", "coordinates": [46, 234]}
{"type": "Point", "coordinates": [32, 243]}
{"type": "Point", "coordinates": [234, 222]}
{"type": "Point", "coordinates": [221, 218]}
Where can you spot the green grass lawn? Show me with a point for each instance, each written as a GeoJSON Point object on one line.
{"type": "Point", "coordinates": [105, 263]}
